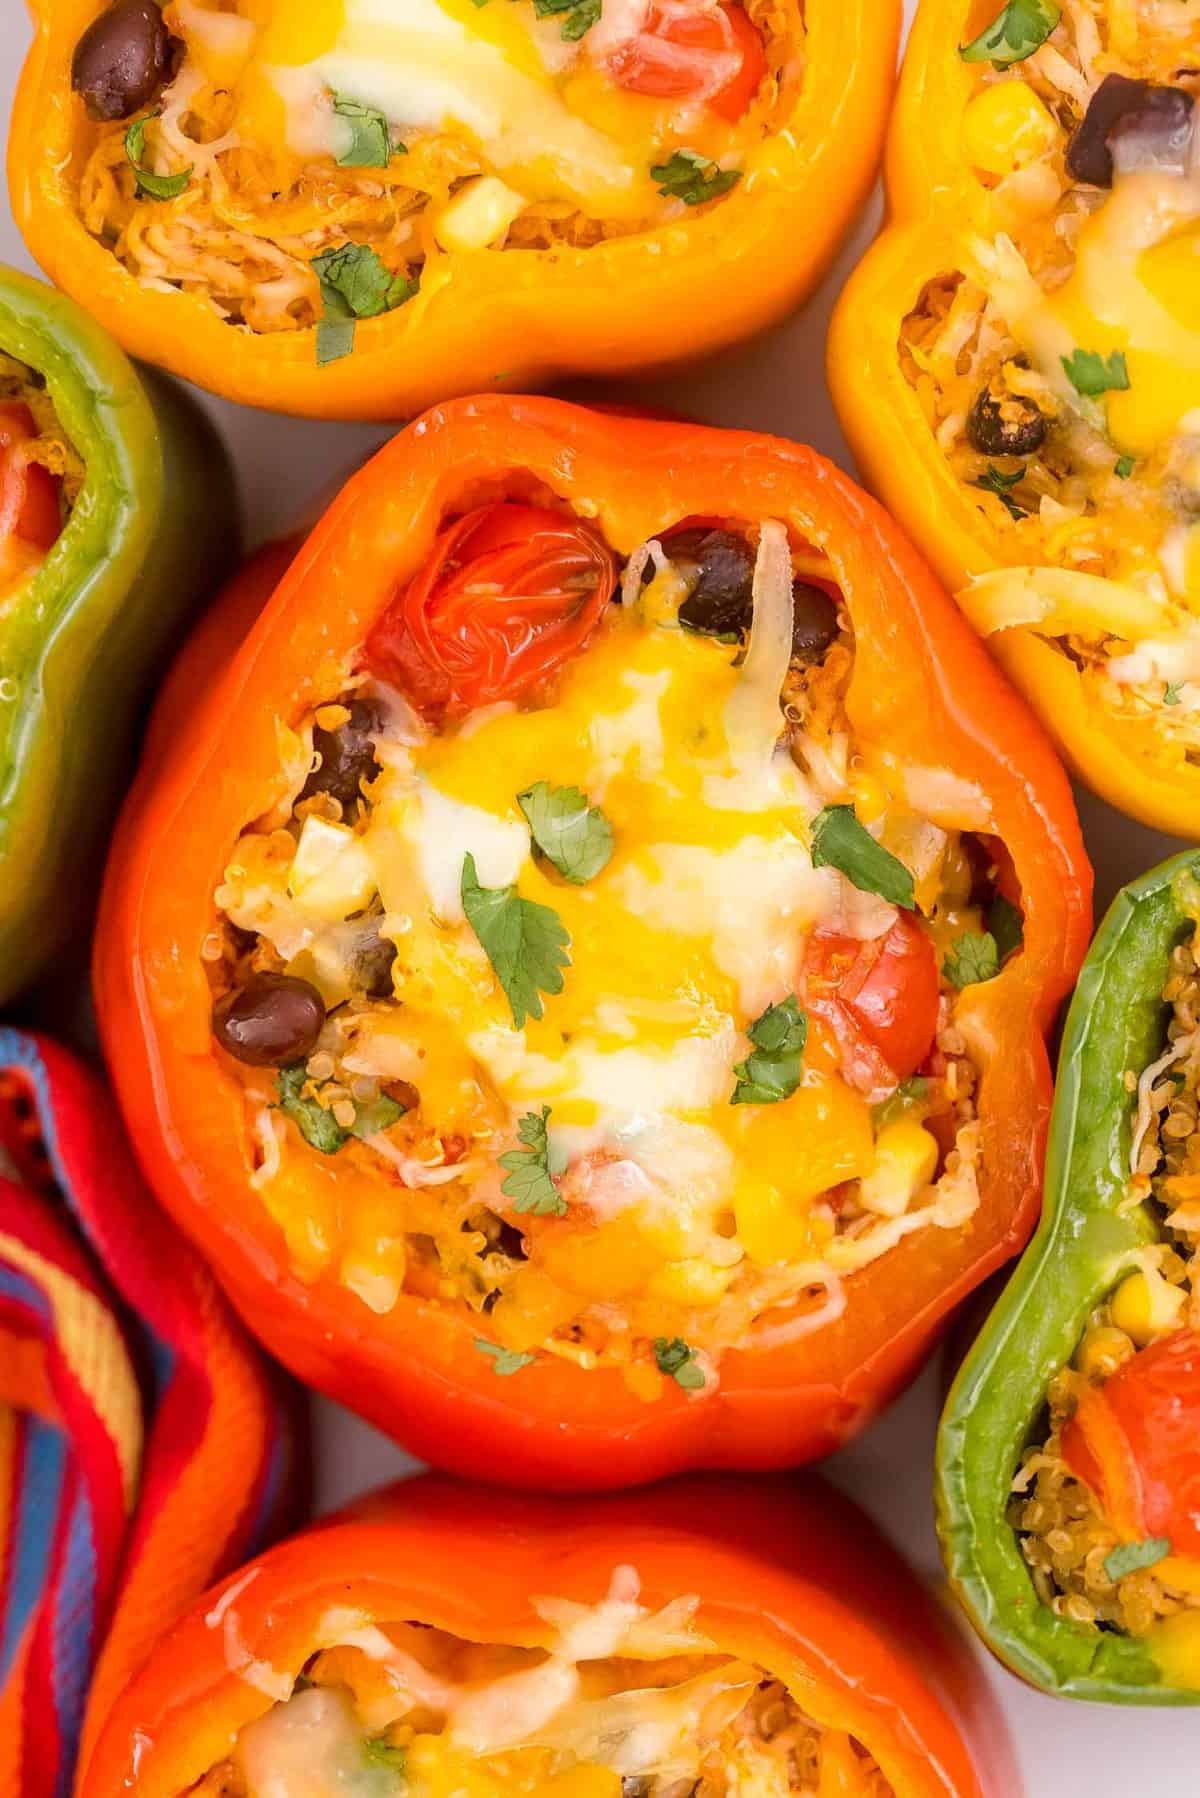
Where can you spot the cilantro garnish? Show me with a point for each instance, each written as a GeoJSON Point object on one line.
{"type": "Point", "coordinates": [581, 15]}
{"type": "Point", "coordinates": [772, 1071]}
{"type": "Point", "coordinates": [910, 1092]}
{"type": "Point", "coordinates": [316, 1125]}
{"type": "Point", "coordinates": [504, 1361]}
{"type": "Point", "coordinates": [1173, 693]}
{"type": "Point", "coordinates": [533, 1170]}
{"type": "Point", "coordinates": [525, 942]}
{"type": "Point", "coordinates": [355, 283]}
{"type": "Point", "coordinates": [1092, 374]}
{"type": "Point", "coordinates": [679, 1361]}
{"type": "Point", "coordinates": [379, 1115]}
{"type": "Point", "coordinates": [1017, 31]}
{"type": "Point", "coordinates": [572, 834]}
{"type": "Point", "coordinates": [1005, 924]}
{"type": "Point", "coordinates": [378, 1753]}
{"type": "Point", "coordinates": [840, 841]}
{"type": "Point", "coordinates": [1124, 467]}
{"type": "Point", "coordinates": [973, 958]}
{"type": "Point", "coordinates": [997, 482]}
{"type": "Point", "coordinates": [1131, 1557]}
{"type": "Point", "coordinates": [693, 178]}
{"type": "Point", "coordinates": [154, 187]}
{"type": "Point", "coordinates": [370, 142]}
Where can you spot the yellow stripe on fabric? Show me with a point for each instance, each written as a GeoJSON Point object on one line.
{"type": "Point", "coordinates": [92, 1347]}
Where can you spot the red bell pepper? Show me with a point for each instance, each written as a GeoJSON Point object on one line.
{"type": "Point", "coordinates": [922, 688]}
{"type": "Point", "coordinates": [788, 1577]}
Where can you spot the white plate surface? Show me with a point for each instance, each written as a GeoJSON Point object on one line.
{"type": "Point", "coordinates": [775, 384]}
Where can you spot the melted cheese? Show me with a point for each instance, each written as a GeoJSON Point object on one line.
{"type": "Point", "coordinates": [536, 108]}
{"type": "Point", "coordinates": [693, 929]}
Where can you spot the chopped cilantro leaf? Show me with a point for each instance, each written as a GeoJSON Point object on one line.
{"type": "Point", "coordinates": [154, 187]}
{"type": "Point", "coordinates": [355, 283]}
{"type": "Point", "coordinates": [973, 958]}
{"type": "Point", "coordinates": [525, 942]}
{"type": "Point", "coordinates": [504, 1361]}
{"type": "Point", "coordinates": [996, 481]}
{"type": "Point", "coordinates": [1016, 32]}
{"type": "Point", "coordinates": [772, 1071]}
{"type": "Point", "coordinates": [693, 178]}
{"type": "Point", "coordinates": [840, 841]}
{"type": "Point", "coordinates": [378, 1753]}
{"type": "Point", "coordinates": [370, 142]}
{"type": "Point", "coordinates": [316, 1125]}
{"type": "Point", "coordinates": [581, 15]}
{"type": "Point", "coordinates": [679, 1361]}
{"type": "Point", "coordinates": [1092, 374]}
{"type": "Point", "coordinates": [1132, 1557]}
{"type": "Point", "coordinates": [572, 834]}
{"type": "Point", "coordinates": [1173, 692]}
{"type": "Point", "coordinates": [1005, 924]}
{"type": "Point", "coordinates": [910, 1092]}
{"type": "Point", "coordinates": [1124, 468]}
{"type": "Point", "coordinates": [531, 1171]}
{"type": "Point", "coordinates": [379, 1115]}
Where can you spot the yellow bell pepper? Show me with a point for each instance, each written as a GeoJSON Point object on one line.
{"type": "Point", "coordinates": [975, 160]}
{"type": "Point", "coordinates": [488, 318]}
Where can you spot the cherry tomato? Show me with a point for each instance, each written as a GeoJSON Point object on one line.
{"type": "Point", "coordinates": [692, 52]}
{"type": "Point", "coordinates": [880, 999]}
{"type": "Point", "coordinates": [29, 508]}
{"type": "Point", "coordinates": [1135, 1442]}
{"type": "Point", "coordinates": [509, 592]}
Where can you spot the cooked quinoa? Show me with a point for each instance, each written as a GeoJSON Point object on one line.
{"type": "Point", "coordinates": [1064, 1537]}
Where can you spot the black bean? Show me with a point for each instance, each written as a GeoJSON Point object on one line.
{"type": "Point", "coordinates": [371, 965]}
{"type": "Point", "coordinates": [122, 59]}
{"type": "Point", "coordinates": [814, 621]}
{"type": "Point", "coordinates": [1005, 424]}
{"type": "Point", "coordinates": [721, 601]}
{"type": "Point", "coordinates": [1121, 107]}
{"type": "Point", "coordinates": [347, 755]}
{"type": "Point", "coordinates": [270, 1022]}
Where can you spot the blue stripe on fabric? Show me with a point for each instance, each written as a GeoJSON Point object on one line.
{"type": "Point", "coordinates": [73, 1632]}
{"type": "Point", "coordinates": [35, 1508]}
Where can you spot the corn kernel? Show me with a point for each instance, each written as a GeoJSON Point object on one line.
{"type": "Point", "coordinates": [905, 1161]}
{"type": "Point", "coordinates": [480, 212]}
{"type": "Point", "coordinates": [1144, 1306]}
{"type": "Point", "coordinates": [1102, 1351]}
{"type": "Point", "coordinates": [1005, 126]}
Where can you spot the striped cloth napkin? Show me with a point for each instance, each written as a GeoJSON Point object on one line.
{"type": "Point", "coordinates": [145, 1448]}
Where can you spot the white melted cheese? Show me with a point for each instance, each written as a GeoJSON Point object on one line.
{"type": "Point", "coordinates": [754, 902]}
{"type": "Point", "coordinates": [427, 70]}
{"type": "Point", "coordinates": [443, 831]}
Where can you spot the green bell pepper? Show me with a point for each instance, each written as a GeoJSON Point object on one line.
{"type": "Point", "coordinates": [1089, 1237]}
{"type": "Point", "coordinates": [151, 533]}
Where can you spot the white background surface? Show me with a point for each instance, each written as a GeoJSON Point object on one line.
{"type": "Point", "coordinates": [776, 384]}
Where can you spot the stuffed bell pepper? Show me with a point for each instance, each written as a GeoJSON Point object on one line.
{"type": "Point", "coordinates": [581, 970]}
{"type": "Point", "coordinates": [352, 208]}
{"type": "Point", "coordinates": [116, 516]}
{"type": "Point", "coordinates": [1069, 1460]}
{"type": "Point", "coordinates": [640, 1648]}
{"type": "Point", "coordinates": [1017, 364]}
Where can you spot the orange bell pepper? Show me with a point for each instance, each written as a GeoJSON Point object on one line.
{"type": "Point", "coordinates": [788, 1576]}
{"type": "Point", "coordinates": [487, 318]}
{"type": "Point", "coordinates": [922, 688]}
{"type": "Point", "coordinates": [940, 208]}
